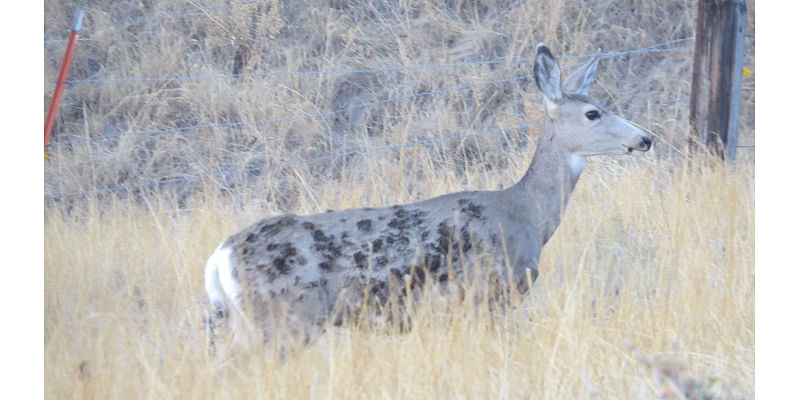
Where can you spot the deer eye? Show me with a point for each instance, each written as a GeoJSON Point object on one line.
{"type": "Point", "coordinates": [593, 115]}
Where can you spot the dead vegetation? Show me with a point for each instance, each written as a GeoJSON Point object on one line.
{"type": "Point", "coordinates": [646, 290]}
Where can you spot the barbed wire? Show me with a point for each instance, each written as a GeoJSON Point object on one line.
{"type": "Point", "coordinates": [48, 35]}
{"type": "Point", "coordinates": [294, 117]}
{"type": "Point", "coordinates": [653, 48]}
{"type": "Point", "coordinates": [298, 73]}
{"type": "Point", "coordinates": [656, 48]}
{"type": "Point", "coordinates": [190, 178]}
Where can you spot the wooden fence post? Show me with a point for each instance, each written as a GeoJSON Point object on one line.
{"type": "Point", "coordinates": [717, 76]}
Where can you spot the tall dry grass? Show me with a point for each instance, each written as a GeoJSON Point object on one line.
{"type": "Point", "coordinates": [647, 285]}
{"type": "Point", "coordinates": [331, 36]}
{"type": "Point", "coordinates": [646, 289]}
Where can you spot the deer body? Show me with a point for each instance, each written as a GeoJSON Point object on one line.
{"type": "Point", "coordinates": [303, 271]}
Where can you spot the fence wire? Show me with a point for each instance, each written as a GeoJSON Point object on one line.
{"type": "Point", "coordinates": [363, 151]}
{"type": "Point", "coordinates": [51, 34]}
{"type": "Point", "coordinates": [293, 117]}
{"type": "Point", "coordinates": [662, 47]}
{"type": "Point", "coordinates": [650, 49]}
{"type": "Point", "coordinates": [656, 48]}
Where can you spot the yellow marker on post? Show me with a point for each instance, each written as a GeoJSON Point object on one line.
{"type": "Point", "coordinates": [746, 72]}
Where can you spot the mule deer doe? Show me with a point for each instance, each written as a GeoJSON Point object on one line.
{"type": "Point", "coordinates": [302, 272]}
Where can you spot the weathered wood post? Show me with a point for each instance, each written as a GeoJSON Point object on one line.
{"type": "Point", "coordinates": [717, 76]}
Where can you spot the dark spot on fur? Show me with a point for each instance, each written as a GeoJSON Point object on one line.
{"type": "Point", "coordinates": [417, 276]}
{"type": "Point", "coordinates": [396, 223]}
{"type": "Point", "coordinates": [302, 260]}
{"type": "Point", "coordinates": [319, 236]}
{"type": "Point", "coordinates": [404, 220]}
{"type": "Point", "coordinates": [443, 278]}
{"type": "Point", "coordinates": [288, 250]}
{"type": "Point", "coordinates": [308, 225]}
{"type": "Point", "coordinates": [346, 242]}
{"type": "Point", "coordinates": [466, 239]}
{"type": "Point", "coordinates": [325, 265]}
{"type": "Point", "coordinates": [471, 209]}
{"type": "Point", "coordinates": [281, 265]}
{"type": "Point", "coordinates": [400, 212]}
{"type": "Point", "coordinates": [433, 262]}
{"type": "Point", "coordinates": [365, 225]}
{"type": "Point", "coordinates": [378, 289]}
{"type": "Point", "coordinates": [401, 219]}
{"type": "Point", "coordinates": [360, 259]}
{"type": "Point", "coordinates": [396, 273]}
{"type": "Point", "coordinates": [270, 229]}
{"type": "Point", "coordinates": [261, 266]}
{"type": "Point", "coordinates": [381, 261]}
{"type": "Point", "coordinates": [310, 285]}
{"type": "Point", "coordinates": [389, 239]}
{"type": "Point", "coordinates": [251, 238]}
{"type": "Point", "coordinates": [272, 246]}
{"type": "Point", "coordinates": [333, 250]}
{"type": "Point", "coordinates": [328, 211]}
{"type": "Point", "coordinates": [269, 273]}
{"type": "Point", "coordinates": [445, 237]}
{"type": "Point", "coordinates": [377, 244]}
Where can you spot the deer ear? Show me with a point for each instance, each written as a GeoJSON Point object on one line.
{"type": "Point", "coordinates": [581, 80]}
{"type": "Point", "coordinates": [547, 74]}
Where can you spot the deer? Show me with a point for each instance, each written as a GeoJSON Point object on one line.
{"type": "Point", "coordinates": [303, 272]}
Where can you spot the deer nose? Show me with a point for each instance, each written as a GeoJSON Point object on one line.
{"type": "Point", "coordinates": [647, 142]}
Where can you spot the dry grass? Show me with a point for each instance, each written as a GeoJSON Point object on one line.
{"type": "Point", "coordinates": [646, 290]}
{"type": "Point", "coordinates": [651, 259]}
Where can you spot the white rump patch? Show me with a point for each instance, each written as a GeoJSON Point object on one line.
{"type": "Point", "coordinates": [220, 283]}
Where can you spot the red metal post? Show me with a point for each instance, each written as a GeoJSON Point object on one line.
{"type": "Point", "coordinates": [62, 77]}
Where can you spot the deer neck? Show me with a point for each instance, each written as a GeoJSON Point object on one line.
{"type": "Point", "coordinates": [545, 188]}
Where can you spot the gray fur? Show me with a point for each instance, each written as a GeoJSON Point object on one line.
{"type": "Point", "coordinates": [305, 271]}
{"type": "Point", "coordinates": [547, 74]}
{"type": "Point", "coordinates": [581, 80]}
